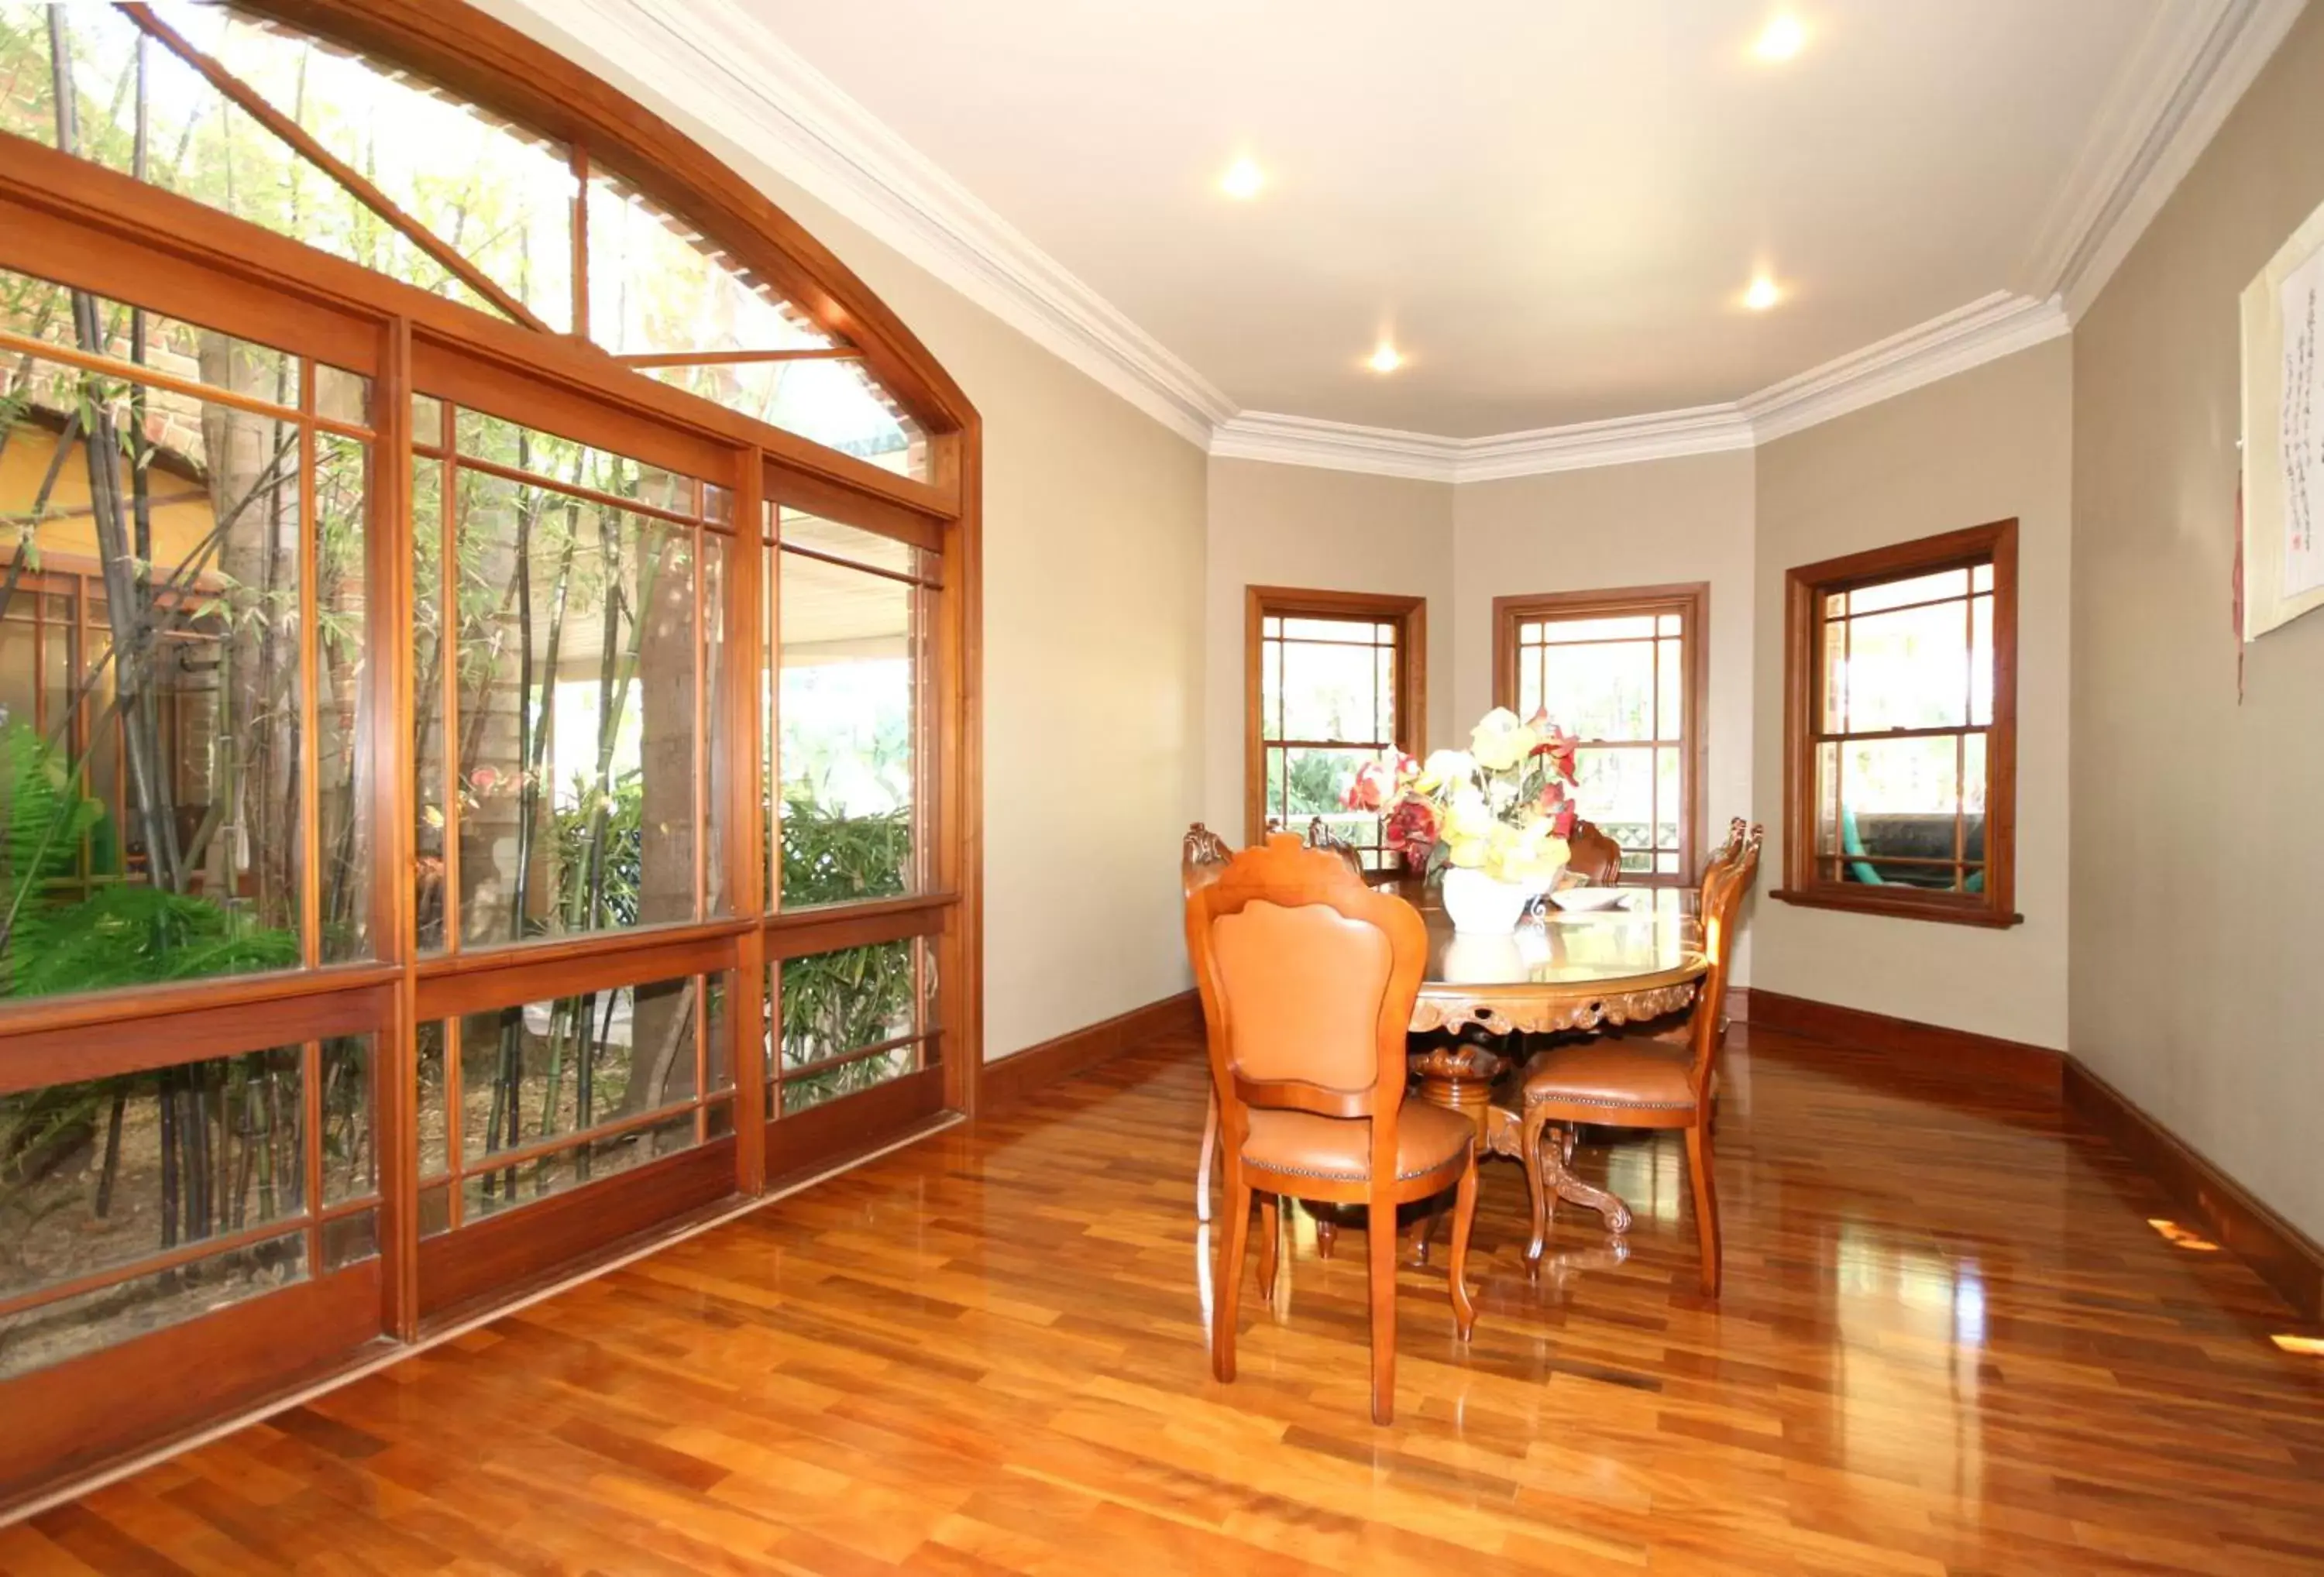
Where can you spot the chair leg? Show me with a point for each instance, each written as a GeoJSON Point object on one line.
{"type": "Point", "coordinates": [1237, 1243]}
{"type": "Point", "coordinates": [1270, 1242]}
{"type": "Point", "coordinates": [1539, 1191]}
{"type": "Point", "coordinates": [1210, 1154]}
{"type": "Point", "coordinates": [1380, 1228]}
{"type": "Point", "coordinates": [1700, 1172]}
{"type": "Point", "coordinates": [1464, 1214]}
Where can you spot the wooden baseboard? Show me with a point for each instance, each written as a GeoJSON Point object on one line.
{"type": "Point", "coordinates": [2286, 1259]}
{"type": "Point", "coordinates": [1010, 1081]}
{"type": "Point", "coordinates": [1933, 1048]}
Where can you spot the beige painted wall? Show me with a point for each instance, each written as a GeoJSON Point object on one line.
{"type": "Point", "coordinates": [1986, 445]}
{"type": "Point", "coordinates": [2198, 858]}
{"type": "Point", "coordinates": [1333, 530]}
{"type": "Point", "coordinates": [1649, 525]}
{"type": "Point", "coordinates": [1093, 643]}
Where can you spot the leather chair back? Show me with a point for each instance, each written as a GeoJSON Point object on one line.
{"type": "Point", "coordinates": [1308, 978]}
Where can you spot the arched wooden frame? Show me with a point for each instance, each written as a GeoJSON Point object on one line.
{"type": "Point", "coordinates": [95, 229]}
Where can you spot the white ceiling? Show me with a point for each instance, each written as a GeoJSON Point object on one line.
{"type": "Point", "coordinates": [1552, 205]}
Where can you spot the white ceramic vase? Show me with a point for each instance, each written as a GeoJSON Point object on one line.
{"type": "Point", "coordinates": [1483, 905]}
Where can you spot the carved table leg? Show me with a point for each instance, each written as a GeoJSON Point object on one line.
{"type": "Point", "coordinates": [1572, 1189]}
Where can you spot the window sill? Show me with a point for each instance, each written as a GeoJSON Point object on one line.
{"type": "Point", "coordinates": [1899, 908]}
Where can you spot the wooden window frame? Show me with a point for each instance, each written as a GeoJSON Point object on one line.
{"type": "Point", "coordinates": [1262, 602]}
{"type": "Point", "coordinates": [1805, 587]}
{"type": "Point", "coordinates": [99, 230]}
{"type": "Point", "coordinates": [1691, 601]}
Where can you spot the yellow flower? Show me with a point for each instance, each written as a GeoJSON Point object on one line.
{"type": "Point", "coordinates": [1499, 741]}
{"type": "Point", "coordinates": [1469, 853]}
{"type": "Point", "coordinates": [1468, 817]}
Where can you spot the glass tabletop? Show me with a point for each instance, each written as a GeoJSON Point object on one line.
{"type": "Point", "coordinates": [1651, 944]}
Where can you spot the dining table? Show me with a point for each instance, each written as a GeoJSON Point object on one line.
{"type": "Point", "coordinates": [1559, 971]}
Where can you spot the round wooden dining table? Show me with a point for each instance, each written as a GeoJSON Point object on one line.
{"type": "Point", "coordinates": [1563, 972]}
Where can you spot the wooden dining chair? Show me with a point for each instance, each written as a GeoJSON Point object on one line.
{"type": "Point", "coordinates": [1320, 836]}
{"type": "Point", "coordinates": [1641, 1083]}
{"type": "Point", "coordinates": [1593, 855]}
{"type": "Point", "coordinates": [1201, 857]}
{"type": "Point", "coordinates": [1308, 979]}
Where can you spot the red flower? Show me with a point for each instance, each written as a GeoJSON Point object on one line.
{"type": "Point", "coordinates": [1560, 824]}
{"type": "Point", "coordinates": [1374, 781]}
{"type": "Point", "coordinates": [1411, 829]}
{"type": "Point", "coordinates": [1557, 744]}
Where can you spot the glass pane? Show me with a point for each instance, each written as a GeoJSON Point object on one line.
{"type": "Point", "coordinates": [48, 1333]}
{"type": "Point", "coordinates": [848, 643]}
{"type": "Point", "coordinates": [1670, 690]}
{"type": "Point", "coordinates": [1909, 668]}
{"type": "Point", "coordinates": [657, 286]}
{"type": "Point", "coordinates": [1981, 661]}
{"type": "Point", "coordinates": [1897, 800]}
{"type": "Point", "coordinates": [1270, 690]}
{"type": "Point", "coordinates": [1629, 627]}
{"type": "Point", "coordinates": [822, 1007]}
{"type": "Point", "coordinates": [434, 1147]}
{"type": "Point", "coordinates": [1359, 630]}
{"type": "Point", "coordinates": [52, 314]}
{"type": "Point", "coordinates": [1916, 588]}
{"type": "Point", "coordinates": [857, 546]}
{"type": "Point", "coordinates": [1666, 798]}
{"type": "Point", "coordinates": [714, 658]}
{"type": "Point", "coordinates": [1980, 578]}
{"type": "Point", "coordinates": [1601, 692]}
{"type": "Point", "coordinates": [342, 820]}
{"type": "Point", "coordinates": [162, 799]}
{"type": "Point", "coordinates": [1833, 636]}
{"type": "Point", "coordinates": [350, 1165]}
{"type": "Point", "coordinates": [539, 1070]}
{"type": "Point", "coordinates": [1528, 681]}
{"type": "Point", "coordinates": [1667, 624]}
{"type": "Point", "coordinates": [1332, 692]}
{"type": "Point", "coordinates": [1615, 789]}
{"type": "Point", "coordinates": [496, 195]}
{"type": "Point", "coordinates": [577, 714]}
{"type": "Point", "coordinates": [1529, 634]}
{"type": "Point", "coordinates": [1312, 783]}
{"type": "Point", "coordinates": [105, 1172]}
{"type": "Point", "coordinates": [1827, 798]}
{"type": "Point", "coordinates": [431, 792]}
{"type": "Point", "coordinates": [719, 1038]}
{"type": "Point", "coordinates": [496, 1192]}
{"type": "Point", "coordinates": [350, 1240]}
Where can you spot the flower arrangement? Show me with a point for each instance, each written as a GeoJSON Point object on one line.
{"type": "Point", "coordinates": [1499, 807]}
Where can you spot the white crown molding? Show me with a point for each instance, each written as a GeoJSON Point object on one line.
{"type": "Point", "coordinates": [2190, 71]}
{"type": "Point", "coordinates": [1985, 330]}
{"type": "Point", "coordinates": [710, 62]}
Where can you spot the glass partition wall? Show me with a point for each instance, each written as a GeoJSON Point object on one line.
{"type": "Point", "coordinates": [486, 627]}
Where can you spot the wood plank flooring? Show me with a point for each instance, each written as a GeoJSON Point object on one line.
{"type": "Point", "coordinates": [1951, 1342]}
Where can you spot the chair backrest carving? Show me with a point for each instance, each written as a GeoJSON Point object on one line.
{"type": "Point", "coordinates": [1593, 855]}
{"type": "Point", "coordinates": [1308, 978]}
{"type": "Point", "coordinates": [1202, 856]}
{"type": "Point", "coordinates": [1724, 885]}
{"type": "Point", "coordinates": [1320, 836]}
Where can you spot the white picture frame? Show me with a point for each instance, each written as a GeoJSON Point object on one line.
{"type": "Point", "coordinates": [2282, 314]}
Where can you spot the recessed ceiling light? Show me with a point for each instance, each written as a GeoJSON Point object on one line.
{"type": "Point", "coordinates": [1384, 360]}
{"type": "Point", "coordinates": [1762, 295]}
{"type": "Point", "coordinates": [2307, 1346]}
{"type": "Point", "coordinates": [1242, 180]}
{"type": "Point", "coordinates": [1784, 38]}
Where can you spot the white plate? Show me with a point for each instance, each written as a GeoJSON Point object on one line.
{"type": "Point", "coordinates": [1584, 898]}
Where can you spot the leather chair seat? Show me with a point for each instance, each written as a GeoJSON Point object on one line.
{"type": "Point", "coordinates": [1304, 1145]}
{"type": "Point", "coordinates": [1615, 1075]}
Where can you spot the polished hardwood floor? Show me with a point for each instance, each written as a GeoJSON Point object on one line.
{"type": "Point", "coordinates": [1950, 1341]}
